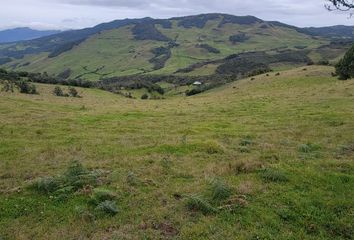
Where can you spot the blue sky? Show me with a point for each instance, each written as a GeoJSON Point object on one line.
{"type": "Point", "coordinates": [72, 14]}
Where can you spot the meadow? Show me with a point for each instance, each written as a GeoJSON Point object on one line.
{"type": "Point", "coordinates": [264, 158]}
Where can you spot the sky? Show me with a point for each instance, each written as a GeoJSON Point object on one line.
{"type": "Point", "coordinates": [75, 14]}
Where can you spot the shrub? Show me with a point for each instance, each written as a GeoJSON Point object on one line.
{"type": "Point", "coordinates": [46, 185]}
{"type": "Point", "coordinates": [107, 207]}
{"type": "Point", "coordinates": [131, 179]}
{"type": "Point", "coordinates": [197, 203]}
{"type": "Point", "coordinates": [212, 147]}
{"type": "Point", "coordinates": [58, 92]}
{"type": "Point", "coordinates": [145, 96]}
{"type": "Point", "coordinates": [273, 175]}
{"type": "Point", "coordinates": [309, 147]}
{"type": "Point", "coordinates": [323, 62]}
{"type": "Point", "coordinates": [247, 166]}
{"type": "Point", "coordinates": [246, 142]}
{"type": "Point", "coordinates": [220, 191]}
{"type": "Point", "coordinates": [26, 87]}
{"type": "Point", "coordinates": [73, 92]}
{"type": "Point", "coordinates": [101, 195]}
{"type": "Point", "coordinates": [238, 38]}
{"type": "Point", "coordinates": [345, 67]}
{"type": "Point", "coordinates": [74, 178]}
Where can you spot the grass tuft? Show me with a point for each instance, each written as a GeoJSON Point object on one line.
{"type": "Point", "coordinates": [220, 190]}
{"type": "Point", "coordinates": [107, 207]}
{"type": "Point", "coordinates": [274, 175]}
{"type": "Point", "coordinates": [197, 203]}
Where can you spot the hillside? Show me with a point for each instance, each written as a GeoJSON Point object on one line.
{"type": "Point", "coordinates": [194, 45]}
{"type": "Point", "coordinates": [268, 158]}
{"type": "Point", "coordinates": [21, 34]}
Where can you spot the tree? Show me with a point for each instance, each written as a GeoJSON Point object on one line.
{"type": "Point", "coordinates": [341, 5]}
{"type": "Point", "coordinates": [58, 91]}
{"type": "Point", "coordinates": [26, 87]}
{"type": "Point", "coordinates": [73, 92]}
{"type": "Point", "coordinates": [144, 96]}
{"type": "Point", "coordinates": [345, 67]}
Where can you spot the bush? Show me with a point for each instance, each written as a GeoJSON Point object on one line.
{"type": "Point", "coordinates": [73, 92]}
{"type": "Point", "coordinates": [145, 96]}
{"type": "Point", "coordinates": [309, 147]}
{"type": "Point", "coordinates": [197, 203]}
{"type": "Point", "coordinates": [101, 195]}
{"type": "Point", "coordinates": [273, 175]}
{"type": "Point", "coordinates": [220, 191]}
{"type": "Point", "coordinates": [107, 207]}
{"type": "Point", "coordinates": [238, 38]}
{"type": "Point", "coordinates": [74, 178]}
{"type": "Point", "coordinates": [46, 185]}
{"type": "Point", "coordinates": [58, 92]}
{"type": "Point", "coordinates": [26, 87]}
{"type": "Point", "coordinates": [212, 147]}
{"type": "Point", "coordinates": [345, 67]}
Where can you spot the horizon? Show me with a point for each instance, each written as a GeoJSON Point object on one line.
{"type": "Point", "coordinates": [78, 14]}
{"type": "Point", "coordinates": [73, 29]}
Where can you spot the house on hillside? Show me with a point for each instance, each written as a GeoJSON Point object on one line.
{"type": "Point", "coordinates": [197, 83]}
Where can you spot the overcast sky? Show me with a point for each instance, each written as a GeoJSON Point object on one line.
{"type": "Point", "coordinates": [72, 14]}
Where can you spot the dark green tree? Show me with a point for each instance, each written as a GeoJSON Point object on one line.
{"type": "Point", "coordinates": [26, 87]}
{"type": "Point", "coordinates": [144, 96]}
{"type": "Point", "coordinates": [73, 92]}
{"type": "Point", "coordinates": [345, 67]}
{"type": "Point", "coordinates": [58, 91]}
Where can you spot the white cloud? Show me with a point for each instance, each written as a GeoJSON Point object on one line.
{"type": "Point", "coordinates": [69, 14]}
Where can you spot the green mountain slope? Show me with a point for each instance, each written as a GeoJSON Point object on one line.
{"type": "Point", "coordinates": [149, 46]}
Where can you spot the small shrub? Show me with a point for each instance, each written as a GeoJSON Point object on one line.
{"type": "Point", "coordinates": [212, 147]}
{"type": "Point", "coordinates": [247, 166]}
{"type": "Point", "coordinates": [144, 96]}
{"type": "Point", "coordinates": [107, 207]}
{"type": "Point", "coordinates": [246, 142]}
{"type": "Point", "coordinates": [58, 92]}
{"type": "Point", "coordinates": [277, 74]}
{"type": "Point", "coordinates": [26, 87]}
{"type": "Point", "coordinates": [244, 149]}
{"type": "Point", "coordinates": [73, 92]}
{"type": "Point", "coordinates": [46, 185]}
{"type": "Point", "coordinates": [131, 179]}
{"type": "Point", "coordinates": [273, 175]}
{"type": "Point", "coordinates": [197, 203]}
{"type": "Point", "coordinates": [220, 191]}
{"type": "Point", "coordinates": [309, 147]}
{"type": "Point", "coordinates": [100, 195]}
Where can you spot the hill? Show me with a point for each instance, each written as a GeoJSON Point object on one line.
{"type": "Point", "coordinates": [21, 34]}
{"type": "Point", "coordinates": [268, 158]}
{"type": "Point", "coordinates": [193, 45]}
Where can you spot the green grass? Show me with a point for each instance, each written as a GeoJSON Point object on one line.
{"type": "Point", "coordinates": [295, 180]}
{"type": "Point", "coordinates": [120, 54]}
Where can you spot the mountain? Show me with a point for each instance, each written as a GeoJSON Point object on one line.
{"type": "Point", "coordinates": [21, 34]}
{"type": "Point", "coordinates": [193, 45]}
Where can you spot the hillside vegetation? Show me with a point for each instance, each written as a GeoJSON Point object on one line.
{"type": "Point", "coordinates": [263, 158]}
{"type": "Point", "coordinates": [169, 46]}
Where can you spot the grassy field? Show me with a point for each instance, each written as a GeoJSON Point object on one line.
{"type": "Point", "coordinates": [269, 158]}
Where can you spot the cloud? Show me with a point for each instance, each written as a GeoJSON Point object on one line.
{"type": "Point", "coordinates": [70, 14]}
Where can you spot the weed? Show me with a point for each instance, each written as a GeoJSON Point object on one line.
{"type": "Point", "coordinates": [274, 175]}
{"type": "Point", "coordinates": [46, 185]}
{"type": "Point", "coordinates": [220, 191]}
{"type": "Point", "coordinates": [309, 147]}
{"type": "Point", "coordinates": [197, 203]}
{"type": "Point", "coordinates": [100, 195]}
{"type": "Point", "coordinates": [212, 147]}
{"type": "Point", "coordinates": [247, 166]}
{"type": "Point", "coordinates": [107, 207]}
